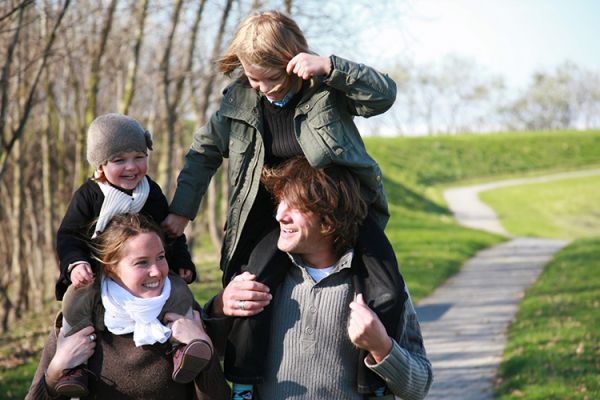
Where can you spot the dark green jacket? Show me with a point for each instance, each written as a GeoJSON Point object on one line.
{"type": "Point", "coordinates": [324, 128]}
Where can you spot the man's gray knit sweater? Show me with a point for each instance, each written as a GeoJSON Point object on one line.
{"type": "Point", "coordinates": [310, 354]}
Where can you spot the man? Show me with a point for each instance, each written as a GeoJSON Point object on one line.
{"type": "Point", "coordinates": [320, 323]}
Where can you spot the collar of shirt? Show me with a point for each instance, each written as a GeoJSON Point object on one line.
{"type": "Point", "coordinates": [345, 261]}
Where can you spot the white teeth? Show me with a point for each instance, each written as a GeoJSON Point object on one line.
{"type": "Point", "coordinates": [151, 285]}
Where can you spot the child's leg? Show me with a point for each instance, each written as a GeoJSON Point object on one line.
{"type": "Point", "coordinates": [78, 312]}
{"type": "Point", "coordinates": [382, 282]}
{"type": "Point", "coordinates": [379, 279]}
{"type": "Point", "coordinates": [192, 358]}
{"type": "Point", "coordinates": [248, 339]}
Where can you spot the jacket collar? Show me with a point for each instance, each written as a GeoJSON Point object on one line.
{"type": "Point", "coordinates": [241, 102]}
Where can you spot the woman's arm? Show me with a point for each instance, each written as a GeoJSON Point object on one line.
{"type": "Point", "coordinates": [58, 355]}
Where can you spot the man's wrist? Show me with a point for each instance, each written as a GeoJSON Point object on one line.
{"type": "Point", "coordinates": [216, 309]}
{"type": "Point", "coordinates": [378, 355]}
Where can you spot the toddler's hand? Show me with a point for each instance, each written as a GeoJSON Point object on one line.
{"type": "Point", "coordinates": [186, 275]}
{"type": "Point", "coordinates": [82, 275]}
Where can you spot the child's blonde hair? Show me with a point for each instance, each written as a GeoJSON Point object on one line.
{"type": "Point", "coordinates": [267, 39]}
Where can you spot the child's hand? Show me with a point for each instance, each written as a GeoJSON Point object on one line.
{"type": "Point", "coordinates": [82, 275]}
{"type": "Point", "coordinates": [186, 275]}
{"type": "Point", "coordinates": [174, 225]}
{"type": "Point", "coordinates": [308, 65]}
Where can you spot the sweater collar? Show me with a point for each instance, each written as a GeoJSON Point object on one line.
{"type": "Point", "coordinates": [345, 261]}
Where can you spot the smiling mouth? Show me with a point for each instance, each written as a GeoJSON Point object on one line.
{"type": "Point", "coordinates": [152, 285]}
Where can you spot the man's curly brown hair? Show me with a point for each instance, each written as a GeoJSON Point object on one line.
{"type": "Point", "coordinates": [332, 193]}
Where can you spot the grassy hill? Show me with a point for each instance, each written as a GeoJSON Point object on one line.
{"type": "Point", "coordinates": [429, 245]}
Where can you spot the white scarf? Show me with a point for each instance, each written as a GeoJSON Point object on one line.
{"type": "Point", "coordinates": [117, 202]}
{"type": "Point", "coordinates": [126, 313]}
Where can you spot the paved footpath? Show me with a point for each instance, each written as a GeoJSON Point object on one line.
{"type": "Point", "coordinates": [464, 321]}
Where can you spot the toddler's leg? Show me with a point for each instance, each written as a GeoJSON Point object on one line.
{"type": "Point", "coordinates": [191, 359]}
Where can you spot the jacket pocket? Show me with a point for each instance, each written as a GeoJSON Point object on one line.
{"type": "Point", "coordinates": [238, 153]}
{"type": "Point", "coordinates": [328, 129]}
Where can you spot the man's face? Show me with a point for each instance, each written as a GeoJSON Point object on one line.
{"type": "Point", "coordinates": [301, 233]}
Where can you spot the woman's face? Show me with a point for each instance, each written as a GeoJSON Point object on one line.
{"type": "Point", "coordinates": [143, 268]}
{"type": "Point", "coordinates": [272, 83]}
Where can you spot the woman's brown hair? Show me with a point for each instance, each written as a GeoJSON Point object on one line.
{"type": "Point", "coordinates": [107, 247]}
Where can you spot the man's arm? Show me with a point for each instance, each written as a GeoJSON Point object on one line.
{"type": "Point", "coordinates": [404, 365]}
{"type": "Point", "coordinates": [242, 297]}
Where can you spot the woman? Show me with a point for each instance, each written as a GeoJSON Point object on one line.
{"type": "Point", "coordinates": [131, 254]}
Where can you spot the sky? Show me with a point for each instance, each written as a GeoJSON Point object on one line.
{"type": "Point", "coordinates": [511, 38]}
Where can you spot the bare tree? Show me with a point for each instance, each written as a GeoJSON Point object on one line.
{"type": "Point", "coordinates": [91, 96]}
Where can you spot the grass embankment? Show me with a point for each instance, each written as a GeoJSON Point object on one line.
{"type": "Point", "coordinates": [429, 245]}
{"type": "Point", "coordinates": [553, 349]}
{"type": "Point", "coordinates": [567, 208]}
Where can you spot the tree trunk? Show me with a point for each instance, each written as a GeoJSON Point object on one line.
{"type": "Point", "coordinates": [166, 164]}
{"type": "Point", "coordinates": [134, 63]}
{"type": "Point", "coordinates": [92, 89]}
{"type": "Point", "coordinates": [29, 102]}
{"type": "Point", "coordinates": [215, 228]}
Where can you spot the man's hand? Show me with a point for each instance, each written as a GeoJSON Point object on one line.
{"type": "Point", "coordinates": [366, 330]}
{"type": "Point", "coordinates": [242, 297]}
{"type": "Point", "coordinates": [174, 225]}
{"type": "Point", "coordinates": [308, 65]}
{"type": "Point", "coordinates": [81, 275]}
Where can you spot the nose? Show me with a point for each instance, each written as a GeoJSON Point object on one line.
{"type": "Point", "coordinates": [282, 212]}
{"type": "Point", "coordinates": [265, 87]}
{"type": "Point", "coordinates": [154, 270]}
{"type": "Point", "coordinates": [130, 165]}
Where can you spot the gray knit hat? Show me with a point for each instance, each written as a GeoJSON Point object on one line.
{"type": "Point", "coordinates": [112, 134]}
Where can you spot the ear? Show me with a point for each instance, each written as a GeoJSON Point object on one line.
{"type": "Point", "coordinates": [99, 173]}
{"type": "Point", "coordinates": [327, 229]}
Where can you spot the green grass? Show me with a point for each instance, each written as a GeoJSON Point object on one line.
{"type": "Point", "coordinates": [429, 245]}
{"type": "Point", "coordinates": [553, 349]}
{"type": "Point", "coordinates": [439, 160]}
{"type": "Point", "coordinates": [568, 208]}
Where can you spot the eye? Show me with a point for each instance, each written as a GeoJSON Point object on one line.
{"type": "Point", "coordinates": [160, 257]}
{"type": "Point", "coordinates": [141, 263]}
{"type": "Point", "coordinates": [140, 157]}
{"type": "Point", "coordinates": [117, 160]}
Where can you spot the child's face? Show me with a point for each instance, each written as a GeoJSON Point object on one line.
{"type": "Point", "coordinates": [273, 83]}
{"type": "Point", "coordinates": [126, 170]}
{"type": "Point", "coordinates": [142, 269]}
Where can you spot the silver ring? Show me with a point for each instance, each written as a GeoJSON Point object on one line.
{"type": "Point", "coordinates": [92, 337]}
{"type": "Point", "coordinates": [240, 305]}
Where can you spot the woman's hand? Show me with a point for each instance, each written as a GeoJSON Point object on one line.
{"type": "Point", "coordinates": [184, 330]}
{"type": "Point", "coordinates": [366, 330]}
{"type": "Point", "coordinates": [242, 297]}
{"type": "Point", "coordinates": [70, 352]}
{"type": "Point", "coordinates": [174, 225]}
{"type": "Point", "coordinates": [308, 65]}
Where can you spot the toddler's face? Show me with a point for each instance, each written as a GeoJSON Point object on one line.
{"type": "Point", "coordinates": [126, 170]}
